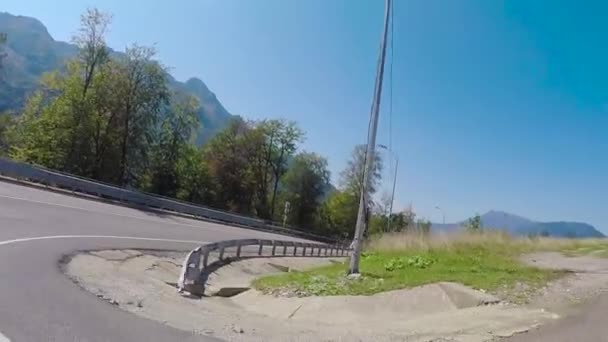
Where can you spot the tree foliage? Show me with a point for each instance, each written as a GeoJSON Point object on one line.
{"type": "Point", "coordinates": [231, 156]}
{"type": "Point", "coordinates": [111, 117]}
{"type": "Point", "coordinates": [352, 176]}
{"type": "Point", "coordinates": [474, 224]}
{"type": "Point", "coordinates": [281, 139]}
{"type": "Point", "coordinates": [424, 226]}
{"type": "Point", "coordinates": [303, 187]}
{"type": "Point", "coordinates": [7, 122]}
{"type": "Point", "coordinates": [340, 211]}
{"type": "Point", "coordinates": [176, 132]}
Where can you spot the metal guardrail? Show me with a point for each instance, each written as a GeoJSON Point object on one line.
{"type": "Point", "coordinates": [36, 174]}
{"type": "Point", "coordinates": [197, 261]}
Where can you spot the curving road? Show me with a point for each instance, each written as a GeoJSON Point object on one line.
{"type": "Point", "coordinates": [39, 303]}
{"type": "Point", "coordinates": [38, 227]}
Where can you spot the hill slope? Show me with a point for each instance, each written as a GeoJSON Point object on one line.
{"type": "Point", "coordinates": [522, 226]}
{"type": "Point", "coordinates": [31, 51]}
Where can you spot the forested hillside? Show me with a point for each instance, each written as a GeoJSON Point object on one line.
{"type": "Point", "coordinates": [31, 51]}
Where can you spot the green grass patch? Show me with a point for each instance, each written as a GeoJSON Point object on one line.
{"type": "Point", "coordinates": [488, 267]}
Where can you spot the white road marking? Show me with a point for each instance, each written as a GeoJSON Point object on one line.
{"type": "Point", "coordinates": [8, 242]}
{"type": "Point", "coordinates": [100, 212]}
{"type": "Point", "coordinates": [4, 338]}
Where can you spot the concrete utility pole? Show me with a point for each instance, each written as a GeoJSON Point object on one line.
{"type": "Point", "coordinates": [371, 145]}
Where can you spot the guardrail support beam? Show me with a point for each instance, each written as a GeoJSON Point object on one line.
{"type": "Point", "coordinates": [205, 258]}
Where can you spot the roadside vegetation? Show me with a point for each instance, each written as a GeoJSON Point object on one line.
{"type": "Point", "coordinates": [487, 261]}
{"type": "Point", "coordinates": [118, 117]}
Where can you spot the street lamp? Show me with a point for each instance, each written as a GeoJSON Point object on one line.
{"type": "Point", "coordinates": [390, 212]}
{"type": "Point", "coordinates": [442, 213]}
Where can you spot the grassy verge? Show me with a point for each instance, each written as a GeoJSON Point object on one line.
{"type": "Point", "coordinates": [598, 249]}
{"type": "Point", "coordinates": [483, 261]}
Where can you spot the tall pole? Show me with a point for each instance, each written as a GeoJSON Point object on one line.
{"type": "Point", "coordinates": [442, 213]}
{"type": "Point", "coordinates": [390, 211]}
{"type": "Point", "coordinates": [371, 145]}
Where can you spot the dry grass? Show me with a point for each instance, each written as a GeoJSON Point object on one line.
{"type": "Point", "coordinates": [496, 240]}
{"type": "Point", "coordinates": [488, 260]}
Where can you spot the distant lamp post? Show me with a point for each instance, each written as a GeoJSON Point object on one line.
{"type": "Point", "coordinates": [390, 211]}
{"type": "Point", "coordinates": [286, 213]}
{"type": "Point", "coordinates": [442, 213]}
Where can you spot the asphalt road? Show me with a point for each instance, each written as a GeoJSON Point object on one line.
{"type": "Point", "coordinates": [39, 303]}
{"type": "Point", "coordinates": [38, 227]}
{"type": "Point", "coordinates": [587, 325]}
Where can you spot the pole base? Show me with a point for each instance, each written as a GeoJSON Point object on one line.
{"type": "Point", "coordinates": [353, 276]}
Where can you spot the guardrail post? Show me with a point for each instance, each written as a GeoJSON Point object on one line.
{"type": "Point", "coordinates": [295, 248]}
{"type": "Point", "coordinates": [304, 251]}
{"type": "Point", "coordinates": [205, 258]}
{"type": "Point", "coordinates": [261, 246]}
{"type": "Point", "coordinates": [284, 249]}
{"type": "Point", "coordinates": [325, 252]}
{"type": "Point", "coordinates": [221, 252]}
{"type": "Point", "coordinates": [274, 246]}
{"type": "Point", "coordinates": [319, 251]}
{"type": "Point", "coordinates": [238, 250]}
{"type": "Point", "coordinates": [331, 251]}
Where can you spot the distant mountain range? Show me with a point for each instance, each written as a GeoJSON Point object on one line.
{"type": "Point", "coordinates": [522, 226]}
{"type": "Point", "coordinates": [31, 51]}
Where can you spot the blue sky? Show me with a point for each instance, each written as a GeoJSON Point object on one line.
{"type": "Point", "coordinates": [496, 104]}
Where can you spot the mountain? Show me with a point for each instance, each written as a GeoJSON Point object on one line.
{"type": "Point", "coordinates": [212, 114]}
{"type": "Point", "coordinates": [522, 226]}
{"type": "Point", "coordinates": [31, 51]}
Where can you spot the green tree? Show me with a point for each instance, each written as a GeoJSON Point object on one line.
{"type": "Point", "coordinates": [378, 222]}
{"type": "Point", "coordinates": [59, 119]}
{"type": "Point", "coordinates": [176, 132]}
{"type": "Point", "coordinates": [7, 122]}
{"type": "Point", "coordinates": [230, 157]}
{"type": "Point", "coordinates": [404, 220]}
{"type": "Point", "coordinates": [424, 226]}
{"type": "Point", "coordinates": [474, 224]}
{"type": "Point", "coordinates": [108, 121]}
{"type": "Point", "coordinates": [92, 49]}
{"type": "Point", "coordinates": [339, 214]}
{"type": "Point", "coordinates": [303, 186]}
{"type": "Point", "coordinates": [194, 182]}
{"type": "Point", "coordinates": [352, 176]}
{"type": "Point", "coordinates": [340, 211]}
{"type": "Point", "coordinates": [281, 142]}
{"type": "Point", "coordinates": [143, 93]}
{"type": "Point", "coordinates": [43, 130]}
{"type": "Point", "coordinates": [92, 55]}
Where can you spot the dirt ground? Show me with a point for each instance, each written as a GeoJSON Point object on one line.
{"type": "Point", "coordinates": [143, 282]}
{"type": "Point", "coordinates": [588, 279]}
